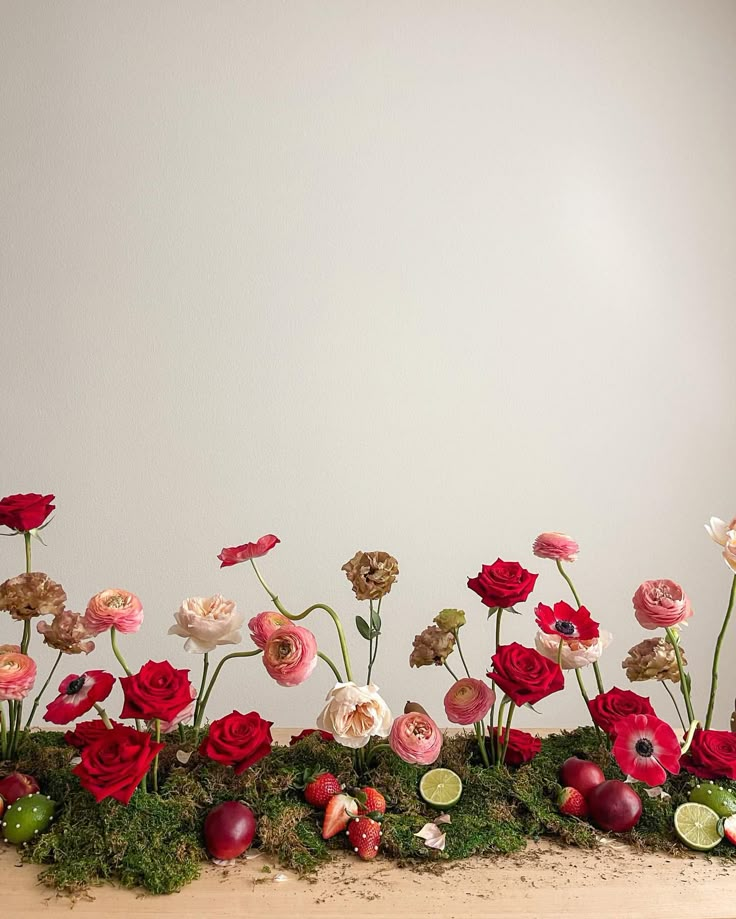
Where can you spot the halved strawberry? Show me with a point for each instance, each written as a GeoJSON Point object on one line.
{"type": "Point", "coordinates": [338, 812]}
{"type": "Point", "coordinates": [571, 802]}
{"type": "Point", "coordinates": [364, 834]}
{"type": "Point", "coordinates": [371, 801]}
{"type": "Point", "coordinates": [323, 787]}
{"type": "Point", "coordinates": [729, 829]}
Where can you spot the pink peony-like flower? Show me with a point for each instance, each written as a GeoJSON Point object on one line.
{"type": "Point", "coordinates": [17, 674]}
{"type": "Point", "coordinates": [468, 701]}
{"type": "Point", "coordinates": [113, 608]}
{"type": "Point", "coordinates": [207, 622]}
{"type": "Point", "coordinates": [416, 739]}
{"type": "Point", "coordinates": [661, 604]}
{"type": "Point", "coordinates": [353, 714]}
{"type": "Point", "coordinates": [247, 551]}
{"type": "Point", "coordinates": [290, 655]}
{"type": "Point", "coordinates": [556, 546]}
{"type": "Point", "coordinates": [264, 625]}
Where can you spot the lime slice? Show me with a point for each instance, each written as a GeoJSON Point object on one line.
{"type": "Point", "coordinates": [718, 799]}
{"type": "Point", "coordinates": [441, 787]}
{"type": "Point", "coordinates": [698, 826]}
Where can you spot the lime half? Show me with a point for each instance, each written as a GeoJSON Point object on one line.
{"type": "Point", "coordinates": [718, 799]}
{"type": "Point", "coordinates": [698, 826]}
{"type": "Point", "coordinates": [441, 787]}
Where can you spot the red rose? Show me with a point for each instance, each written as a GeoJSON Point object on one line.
{"type": "Point", "coordinates": [522, 747]}
{"type": "Point", "coordinates": [307, 732]}
{"type": "Point", "coordinates": [86, 732]}
{"type": "Point", "coordinates": [247, 551]}
{"type": "Point", "coordinates": [25, 512]}
{"type": "Point", "coordinates": [113, 765]}
{"type": "Point", "coordinates": [503, 584]}
{"type": "Point", "coordinates": [524, 674]}
{"type": "Point", "coordinates": [238, 740]}
{"type": "Point", "coordinates": [156, 691]}
{"type": "Point", "coordinates": [712, 755]}
{"type": "Point", "coordinates": [609, 707]}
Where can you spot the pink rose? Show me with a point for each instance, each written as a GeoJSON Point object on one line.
{"type": "Point", "coordinates": [17, 674]}
{"type": "Point", "coordinates": [556, 546]}
{"type": "Point", "coordinates": [113, 608]}
{"type": "Point", "coordinates": [661, 604]}
{"type": "Point", "coordinates": [416, 739]}
{"type": "Point", "coordinates": [468, 701]}
{"type": "Point", "coordinates": [290, 655]}
{"type": "Point", "coordinates": [264, 625]}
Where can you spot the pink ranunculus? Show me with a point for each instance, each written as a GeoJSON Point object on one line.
{"type": "Point", "coordinates": [17, 674]}
{"type": "Point", "coordinates": [556, 546]}
{"type": "Point", "coordinates": [416, 739]}
{"type": "Point", "coordinates": [661, 604]}
{"type": "Point", "coordinates": [264, 625]}
{"type": "Point", "coordinates": [113, 608]}
{"type": "Point", "coordinates": [290, 655]}
{"type": "Point", "coordinates": [468, 701]}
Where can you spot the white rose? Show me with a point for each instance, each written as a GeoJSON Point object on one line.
{"type": "Point", "coordinates": [354, 714]}
{"type": "Point", "coordinates": [207, 622]}
{"type": "Point", "coordinates": [575, 653]}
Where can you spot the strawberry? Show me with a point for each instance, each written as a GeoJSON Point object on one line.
{"type": "Point", "coordinates": [729, 829]}
{"type": "Point", "coordinates": [371, 801]}
{"type": "Point", "coordinates": [364, 834]}
{"type": "Point", "coordinates": [571, 802]}
{"type": "Point", "coordinates": [323, 787]}
{"type": "Point", "coordinates": [338, 812]}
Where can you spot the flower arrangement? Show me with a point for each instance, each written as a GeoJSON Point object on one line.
{"type": "Point", "coordinates": [162, 747]}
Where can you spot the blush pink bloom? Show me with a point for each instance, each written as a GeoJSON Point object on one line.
{"type": "Point", "coordinates": [661, 604]}
{"type": "Point", "coordinates": [416, 739]}
{"type": "Point", "coordinates": [17, 674]}
{"type": "Point", "coordinates": [468, 701]}
{"type": "Point", "coordinates": [113, 608]}
{"type": "Point", "coordinates": [290, 655]}
{"type": "Point", "coordinates": [264, 625]}
{"type": "Point", "coordinates": [556, 546]}
{"type": "Point", "coordinates": [207, 622]}
{"type": "Point", "coordinates": [353, 714]}
{"type": "Point", "coordinates": [248, 551]}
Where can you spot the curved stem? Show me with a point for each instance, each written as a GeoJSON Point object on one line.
{"type": "Point", "coordinates": [37, 700]}
{"type": "Point", "coordinates": [456, 633]}
{"type": "Point", "coordinates": [27, 539]}
{"type": "Point", "coordinates": [116, 651]}
{"type": "Point", "coordinates": [674, 702]}
{"type": "Point", "coordinates": [507, 734]}
{"type": "Point", "coordinates": [717, 654]}
{"type": "Point", "coordinates": [103, 715]}
{"type": "Point", "coordinates": [479, 733]}
{"type": "Point", "coordinates": [228, 657]}
{"type": "Point", "coordinates": [447, 666]}
{"type": "Point", "coordinates": [688, 738]}
{"type": "Point", "coordinates": [675, 642]}
{"type": "Point", "coordinates": [569, 582]}
{"type": "Point", "coordinates": [205, 668]}
{"type": "Point", "coordinates": [375, 749]}
{"type": "Point", "coordinates": [332, 667]}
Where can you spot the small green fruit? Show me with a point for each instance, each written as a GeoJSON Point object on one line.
{"type": "Point", "coordinates": [718, 799]}
{"type": "Point", "coordinates": [28, 817]}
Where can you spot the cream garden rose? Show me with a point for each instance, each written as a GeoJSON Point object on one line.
{"type": "Point", "coordinates": [207, 622]}
{"type": "Point", "coordinates": [353, 714]}
{"type": "Point", "coordinates": [575, 653]}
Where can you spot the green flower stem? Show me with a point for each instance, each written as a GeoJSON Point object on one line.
{"type": "Point", "coordinates": [559, 653]}
{"type": "Point", "coordinates": [456, 633]}
{"type": "Point", "coordinates": [492, 713]}
{"type": "Point", "coordinates": [499, 727]}
{"type": "Point", "coordinates": [507, 734]}
{"type": "Point", "coordinates": [598, 677]}
{"type": "Point", "coordinates": [121, 660]}
{"type": "Point", "coordinates": [447, 666]}
{"type": "Point", "coordinates": [376, 748]}
{"type": "Point", "coordinates": [584, 694]}
{"type": "Point", "coordinates": [205, 668]}
{"type": "Point", "coordinates": [675, 642]}
{"type": "Point", "coordinates": [27, 540]}
{"type": "Point", "coordinates": [568, 579]}
{"type": "Point", "coordinates": [205, 699]}
{"type": "Point", "coordinates": [370, 641]}
{"type": "Point", "coordinates": [498, 627]}
{"type": "Point", "coordinates": [26, 640]}
{"type": "Point", "coordinates": [717, 654]}
{"type": "Point", "coordinates": [3, 733]}
{"type": "Point", "coordinates": [103, 715]}
{"type": "Point", "coordinates": [688, 738]}
{"type": "Point", "coordinates": [295, 618]}
{"type": "Point", "coordinates": [37, 700]}
{"type": "Point", "coordinates": [332, 667]}
{"type": "Point", "coordinates": [479, 733]}
{"type": "Point", "coordinates": [674, 702]}
{"type": "Point", "coordinates": [155, 761]}
{"type": "Point", "coordinates": [374, 646]}
{"type": "Point", "coordinates": [15, 719]}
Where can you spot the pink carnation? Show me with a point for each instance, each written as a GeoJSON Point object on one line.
{"type": "Point", "coordinates": [557, 546]}
{"type": "Point", "coordinates": [17, 674]}
{"type": "Point", "coordinates": [290, 655]}
{"type": "Point", "coordinates": [661, 604]}
{"type": "Point", "coordinates": [264, 625]}
{"type": "Point", "coordinates": [113, 608]}
{"type": "Point", "coordinates": [468, 701]}
{"type": "Point", "coordinates": [416, 739]}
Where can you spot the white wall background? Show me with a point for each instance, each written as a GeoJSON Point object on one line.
{"type": "Point", "coordinates": [422, 276]}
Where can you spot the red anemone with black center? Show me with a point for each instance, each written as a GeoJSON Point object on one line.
{"type": "Point", "coordinates": [646, 748]}
{"type": "Point", "coordinates": [77, 694]}
{"type": "Point", "coordinates": [566, 621]}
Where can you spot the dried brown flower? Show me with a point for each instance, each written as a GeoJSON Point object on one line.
{"type": "Point", "coordinates": [371, 574]}
{"type": "Point", "coordinates": [653, 659]}
{"type": "Point", "coordinates": [33, 594]}
{"type": "Point", "coordinates": [66, 632]}
{"type": "Point", "coordinates": [432, 646]}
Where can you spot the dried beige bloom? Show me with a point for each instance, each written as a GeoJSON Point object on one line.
{"type": "Point", "coordinates": [29, 595]}
{"type": "Point", "coordinates": [653, 659]}
{"type": "Point", "coordinates": [371, 574]}
{"type": "Point", "coordinates": [432, 646]}
{"type": "Point", "coordinates": [66, 632]}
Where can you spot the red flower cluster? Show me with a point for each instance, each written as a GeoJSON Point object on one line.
{"type": "Point", "coordinates": [25, 512]}
{"type": "Point", "coordinates": [238, 740]}
{"type": "Point", "coordinates": [503, 584]}
{"type": "Point", "coordinates": [608, 708]}
{"type": "Point", "coordinates": [524, 674]}
{"type": "Point", "coordinates": [712, 755]}
{"type": "Point", "coordinates": [113, 765]}
{"type": "Point", "coordinates": [157, 691]}
{"type": "Point", "coordinates": [86, 732]}
{"type": "Point", "coordinates": [522, 747]}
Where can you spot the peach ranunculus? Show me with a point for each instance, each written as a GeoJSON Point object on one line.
{"type": "Point", "coordinates": [17, 674]}
{"type": "Point", "coordinates": [468, 701]}
{"type": "Point", "coordinates": [556, 546]}
{"type": "Point", "coordinates": [264, 625]}
{"type": "Point", "coordinates": [416, 739]}
{"type": "Point", "coordinates": [661, 604]}
{"type": "Point", "coordinates": [207, 622]}
{"type": "Point", "coordinates": [575, 653]}
{"type": "Point", "coordinates": [113, 608]}
{"type": "Point", "coordinates": [290, 655]}
{"type": "Point", "coordinates": [353, 714]}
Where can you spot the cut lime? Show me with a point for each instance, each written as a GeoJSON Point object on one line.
{"type": "Point", "coordinates": [441, 787]}
{"type": "Point", "coordinates": [698, 826]}
{"type": "Point", "coordinates": [718, 799]}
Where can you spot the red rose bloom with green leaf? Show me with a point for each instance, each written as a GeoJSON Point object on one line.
{"type": "Point", "coordinates": [238, 740]}
{"type": "Point", "coordinates": [114, 765]}
{"type": "Point", "coordinates": [503, 584]}
{"type": "Point", "coordinates": [525, 675]}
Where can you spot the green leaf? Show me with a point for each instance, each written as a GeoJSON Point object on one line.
{"type": "Point", "coordinates": [363, 627]}
{"type": "Point", "coordinates": [375, 622]}
{"type": "Point", "coordinates": [492, 610]}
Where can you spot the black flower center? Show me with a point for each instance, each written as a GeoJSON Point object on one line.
{"type": "Point", "coordinates": [644, 747]}
{"type": "Point", "coordinates": [564, 627]}
{"type": "Point", "coordinates": [75, 685]}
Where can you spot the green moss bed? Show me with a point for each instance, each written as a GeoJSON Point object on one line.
{"type": "Point", "coordinates": [156, 841]}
